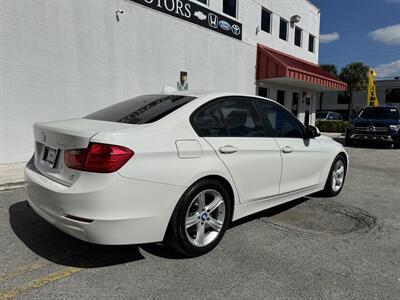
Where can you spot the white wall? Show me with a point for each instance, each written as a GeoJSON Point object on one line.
{"type": "Point", "coordinates": [63, 59]}
{"type": "Point", "coordinates": [250, 15]}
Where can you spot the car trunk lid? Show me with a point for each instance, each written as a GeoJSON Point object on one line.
{"type": "Point", "coordinates": [53, 138]}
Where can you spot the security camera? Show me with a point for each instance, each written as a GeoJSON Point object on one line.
{"type": "Point", "coordinates": [117, 13]}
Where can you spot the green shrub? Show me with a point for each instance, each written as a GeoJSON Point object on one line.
{"type": "Point", "coordinates": [331, 126]}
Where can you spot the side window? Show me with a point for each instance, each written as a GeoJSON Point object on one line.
{"type": "Point", "coordinates": [209, 123]}
{"type": "Point", "coordinates": [241, 118]}
{"type": "Point", "coordinates": [281, 121]}
{"type": "Point", "coordinates": [229, 118]}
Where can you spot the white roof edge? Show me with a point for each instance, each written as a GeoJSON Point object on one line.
{"type": "Point", "coordinates": [309, 2]}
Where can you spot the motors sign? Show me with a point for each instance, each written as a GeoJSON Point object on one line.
{"type": "Point", "coordinates": [197, 14]}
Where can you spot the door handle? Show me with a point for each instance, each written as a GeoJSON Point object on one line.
{"type": "Point", "coordinates": [287, 149]}
{"type": "Point", "coordinates": [228, 149]}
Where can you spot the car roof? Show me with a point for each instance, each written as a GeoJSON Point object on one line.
{"type": "Point", "coordinates": [382, 106]}
{"type": "Point", "coordinates": [203, 97]}
{"type": "Point", "coordinates": [199, 93]}
{"type": "Point", "coordinates": [214, 94]}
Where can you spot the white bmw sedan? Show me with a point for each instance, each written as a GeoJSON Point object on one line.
{"type": "Point", "coordinates": [176, 167]}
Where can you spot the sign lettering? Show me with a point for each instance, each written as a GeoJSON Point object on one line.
{"type": "Point", "coordinates": [196, 14]}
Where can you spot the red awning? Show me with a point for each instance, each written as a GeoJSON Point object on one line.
{"type": "Point", "coordinates": [273, 64]}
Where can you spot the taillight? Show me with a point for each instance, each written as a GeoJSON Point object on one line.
{"type": "Point", "coordinates": [98, 158]}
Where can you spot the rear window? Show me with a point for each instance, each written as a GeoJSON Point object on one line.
{"type": "Point", "coordinates": [321, 115]}
{"type": "Point", "coordinates": [141, 110]}
{"type": "Point", "coordinates": [379, 113]}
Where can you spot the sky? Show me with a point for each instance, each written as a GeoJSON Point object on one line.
{"type": "Point", "coordinates": [361, 30]}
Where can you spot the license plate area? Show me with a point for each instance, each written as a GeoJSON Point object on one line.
{"type": "Point", "coordinates": [50, 156]}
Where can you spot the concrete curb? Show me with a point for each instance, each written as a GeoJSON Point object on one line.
{"type": "Point", "coordinates": [333, 134]}
{"type": "Point", "coordinates": [11, 186]}
{"type": "Point", "coordinates": [12, 176]}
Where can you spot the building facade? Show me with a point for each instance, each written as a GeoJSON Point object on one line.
{"type": "Point", "coordinates": [387, 90]}
{"type": "Point", "coordinates": [65, 59]}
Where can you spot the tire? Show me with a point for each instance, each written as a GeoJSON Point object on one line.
{"type": "Point", "coordinates": [210, 219]}
{"type": "Point", "coordinates": [332, 189]}
{"type": "Point", "coordinates": [396, 144]}
{"type": "Point", "coordinates": [348, 142]}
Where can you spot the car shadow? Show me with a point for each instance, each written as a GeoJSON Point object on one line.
{"type": "Point", "coordinates": [276, 210]}
{"type": "Point", "coordinates": [48, 242]}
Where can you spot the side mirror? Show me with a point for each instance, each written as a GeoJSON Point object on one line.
{"type": "Point", "coordinates": [312, 131]}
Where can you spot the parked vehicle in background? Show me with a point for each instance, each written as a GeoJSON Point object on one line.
{"type": "Point", "coordinates": [176, 167]}
{"type": "Point", "coordinates": [381, 123]}
{"type": "Point", "coordinates": [328, 116]}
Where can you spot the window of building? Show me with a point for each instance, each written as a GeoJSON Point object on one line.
{"type": "Point", "coordinates": [280, 97]}
{"type": "Point", "coordinates": [263, 92]}
{"type": "Point", "coordinates": [230, 7]}
{"type": "Point", "coordinates": [298, 33]}
{"type": "Point", "coordinates": [311, 43]}
{"type": "Point", "coordinates": [343, 98]}
{"type": "Point", "coordinates": [392, 95]}
{"type": "Point", "coordinates": [282, 122]}
{"type": "Point", "coordinates": [265, 20]}
{"type": "Point", "coordinates": [283, 29]}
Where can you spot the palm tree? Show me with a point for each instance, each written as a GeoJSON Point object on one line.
{"type": "Point", "coordinates": [355, 75]}
{"type": "Point", "coordinates": [333, 71]}
{"type": "Point", "coordinates": [330, 69]}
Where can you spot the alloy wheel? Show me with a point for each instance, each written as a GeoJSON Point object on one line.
{"type": "Point", "coordinates": [205, 217]}
{"type": "Point", "coordinates": [338, 175]}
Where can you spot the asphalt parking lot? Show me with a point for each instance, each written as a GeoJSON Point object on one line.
{"type": "Point", "coordinates": [346, 247]}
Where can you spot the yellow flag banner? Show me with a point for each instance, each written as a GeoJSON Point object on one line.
{"type": "Point", "coordinates": [372, 97]}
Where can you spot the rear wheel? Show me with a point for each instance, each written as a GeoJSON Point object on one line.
{"type": "Point", "coordinates": [348, 142]}
{"type": "Point", "coordinates": [337, 174]}
{"type": "Point", "coordinates": [200, 219]}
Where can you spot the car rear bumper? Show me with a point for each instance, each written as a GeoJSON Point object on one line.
{"type": "Point", "coordinates": [125, 211]}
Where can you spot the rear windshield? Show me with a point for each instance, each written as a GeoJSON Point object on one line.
{"type": "Point", "coordinates": [321, 115]}
{"type": "Point", "coordinates": [141, 110]}
{"type": "Point", "coordinates": [379, 113]}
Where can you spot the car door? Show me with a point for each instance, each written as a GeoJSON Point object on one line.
{"type": "Point", "coordinates": [302, 158]}
{"type": "Point", "coordinates": [233, 127]}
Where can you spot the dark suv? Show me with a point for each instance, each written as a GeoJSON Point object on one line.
{"type": "Point", "coordinates": [381, 123]}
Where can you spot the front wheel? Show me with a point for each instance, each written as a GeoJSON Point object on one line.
{"type": "Point", "coordinates": [336, 177]}
{"type": "Point", "coordinates": [200, 219]}
{"type": "Point", "coordinates": [396, 144]}
{"type": "Point", "coordinates": [348, 142]}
